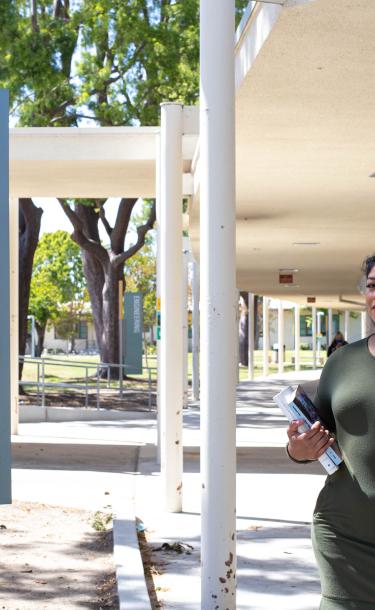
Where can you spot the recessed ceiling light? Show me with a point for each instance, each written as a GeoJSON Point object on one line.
{"type": "Point", "coordinates": [288, 270]}
{"type": "Point", "coordinates": [372, 175]}
{"type": "Point", "coordinates": [306, 243]}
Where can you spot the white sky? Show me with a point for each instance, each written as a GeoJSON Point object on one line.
{"type": "Point", "coordinates": [54, 218]}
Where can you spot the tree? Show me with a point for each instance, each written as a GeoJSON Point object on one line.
{"type": "Point", "coordinates": [57, 281]}
{"type": "Point", "coordinates": [29, 227]}
{"type": "Point", "coordinates": [108, 62]}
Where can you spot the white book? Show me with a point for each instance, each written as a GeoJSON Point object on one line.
{"type": "Point", "coordinates": [295, 404]}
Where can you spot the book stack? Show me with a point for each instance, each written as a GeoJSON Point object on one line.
{"type": "Point", "coordinates": [295, 404]}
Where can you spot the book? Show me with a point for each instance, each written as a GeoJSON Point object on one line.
{"type": "Point", "coordinates": [295, 404]}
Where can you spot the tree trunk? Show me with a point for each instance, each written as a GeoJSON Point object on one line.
{"type": "Point", "coordinates": [104, 268]}
{"type": "Point", "coordinates": [41, 331]}
{"type": "Point", "coordinates": [29, 227]}
{"type": "Point", "coordinates": [244, 328]}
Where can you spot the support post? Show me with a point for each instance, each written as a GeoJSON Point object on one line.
{"type": "Point", "coordinates": [313, 315]}
{"type": "Point", "coordinates": [251, 335]}
{"type": "Point", "coordinates": [330, 326]}
{"type": "Point", "coordinates": [121, 335]}
{"type": "Point", "coordinates": [266, 337]}
{"type": "Point", "coordinates": [297, 338]}
{"type": "Point", "coordinates": [346, 325]}
{"type": "Point", "coordinates": [281, 336]}
{"type": "Point", "coordinates": [218, 305]}
{"type": "Point", "coordinates": [14, 306]}
{"type": "Point", "coordinates": [195, 330]}
{"type": "Point", "coordinates": [7, 304]}
{"type": "Point", "coordinates": [158, 288]}
{"type": "Point", "coordinates": [171, 390]}
{"type": "Point", "coordinates": [185, 321]}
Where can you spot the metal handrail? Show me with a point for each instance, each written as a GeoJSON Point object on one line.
{"type": "Point", "coordinates": [41, 383]}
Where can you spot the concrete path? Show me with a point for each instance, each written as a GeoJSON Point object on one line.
{"type": "Point", "coordinates": [91, 464]}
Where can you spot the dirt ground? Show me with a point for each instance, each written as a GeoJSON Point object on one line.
{"type": "Point", "coordinates": [52, 558]}
{"type": "Point", "coordinates": [131, 401]}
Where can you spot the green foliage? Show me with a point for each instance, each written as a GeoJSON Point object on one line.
{"type": "Point", "coordinates": [101, 521]}
{"type": "Point", "coordinates": [57, 278]}
{"type": "Point", "coordinates": [113, 61]}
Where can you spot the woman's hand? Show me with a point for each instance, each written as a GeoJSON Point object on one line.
{"type": "Point", "coordinates": [308, 445]}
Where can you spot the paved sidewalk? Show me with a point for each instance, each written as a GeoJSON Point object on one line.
{"type": "Point", "coordinates": [275, 499]}
{"type": "Point", "coordinates": [90, 464]}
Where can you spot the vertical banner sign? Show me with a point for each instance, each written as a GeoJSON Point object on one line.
{"type": "Point", "coordinates": [133, 332]}
{"type": "Point", "coordinates": [158, 323]}
{"type": "Point", "coordinates": [5, 459]}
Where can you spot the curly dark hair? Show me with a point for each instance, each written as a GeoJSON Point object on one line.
{"type": "Point", "coordinates": [368, 264]}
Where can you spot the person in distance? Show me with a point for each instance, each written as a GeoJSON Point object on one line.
{"type": "Point", "coordinates": [338, 341]}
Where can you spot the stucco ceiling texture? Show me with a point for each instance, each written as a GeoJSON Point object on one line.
{"type": "Point", "coordinates": [306, 151]}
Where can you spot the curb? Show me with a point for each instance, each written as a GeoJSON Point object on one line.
{"type": "Point", "coordinates": [131, 584]}
{"type": "Point", "coordinates": [34, 414]}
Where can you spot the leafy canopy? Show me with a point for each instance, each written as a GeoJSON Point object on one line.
{"type": "Point", "coordinates": [109, 61]}
{"type": "Point", "coordinates": [57, 278]}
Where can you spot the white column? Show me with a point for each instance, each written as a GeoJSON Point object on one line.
{"type": "Point", "coordinates": [251, 335]}
{"type": "Point", "coordinates": [280, 329]}
{"type": "Point", "coordinates": [185, 321]}
{"type": "Point", "coordinates": [297, 337]}
{"type": "Point", "coordinates": [266, 336]}
{"type": "Point", "coordinates": [171, 365]}
{"type": "Point", "coordinates": [363, 324]}
{"type": "Point", "coordinates": [346, 325]}
{"type": "Point", "coordinates": [7, 302]}
{"type": "Point", "coordinates": [330, 326]}
{"type": "Point", "coordinates": [158, 287]}
{"type": "Point", "coordinates": [195, 330]}
{"type": "Point", "coordinates": [14, 347]}
{"type": "Point", "coordinates": [218, 305]}
{"type": "Point", "coordinates": [313, 314]}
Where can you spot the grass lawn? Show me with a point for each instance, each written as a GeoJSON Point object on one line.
{"type": "Point", "coordinates": [75, 367]}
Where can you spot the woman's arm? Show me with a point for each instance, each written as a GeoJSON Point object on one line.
{"type": "Point", "coordinates": [310, 445]}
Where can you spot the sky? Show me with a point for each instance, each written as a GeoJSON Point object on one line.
{"type": "Point", "coordinates": [54, 218]}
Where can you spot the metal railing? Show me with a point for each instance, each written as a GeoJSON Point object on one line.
{"type": "Point", "coordinates": [100, 372]}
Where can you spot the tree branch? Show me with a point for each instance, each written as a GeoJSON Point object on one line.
{"type": "Point", "coordinates": [103, 218]}
{"type": "Point", "coordinates": [80, 238]}
{"type": "Point", "coordinates": [142, 232]}
{"type": "Point", "coordinates": [120, 229]}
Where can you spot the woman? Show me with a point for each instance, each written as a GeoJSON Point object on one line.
{"type": "Point", "coordinates": [343, 531]}
{"type": "Point", "coordinates": [338, 341]}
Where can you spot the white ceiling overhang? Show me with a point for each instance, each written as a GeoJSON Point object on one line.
{"type": "Point", "coordinates": [305, 148]}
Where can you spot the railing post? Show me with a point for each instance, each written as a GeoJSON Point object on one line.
{"type": "Point", "coordinates": [87, 388]}
{"type": "Point", "coordinates": [43, 386]}
{"type": "Point", "coordinates": [97, 387]}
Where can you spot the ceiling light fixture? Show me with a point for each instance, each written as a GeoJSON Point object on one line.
{"type": "Point", "coordinates": [286, 3]}
{"type": "Point", "coordinates": [306, 243]}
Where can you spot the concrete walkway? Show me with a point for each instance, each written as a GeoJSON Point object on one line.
{"type": "Point", "coordinates": [91, 464]}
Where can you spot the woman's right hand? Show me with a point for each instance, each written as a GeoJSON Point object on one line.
{"type": "Point", "coordinates": [308, 445]}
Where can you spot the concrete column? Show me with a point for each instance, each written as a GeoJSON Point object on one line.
{"type": "Point", "coordinates": [7, 303]}
{"type": "Point", "coordinates": [171, 342]}
{"type": "Point", "coordinates": [297, 337]}
{"type": "Point", "coordinates": [158, 284]}
{"type": "Point", "coordinates": [313, 314]}
{"type": "Point", "coordinates": [251, 335]}
{"type": "Point", "coordinates": [266, 336]}
{"type": "Point", "coordinates": [14, 306]}
{"type": "Point", "coordinates": [218, 305]}
{"type": "Point", "coordinates": [280, 329]}
{"type": "Point", "coordinates": [346, 325]}
{"type": "Point", "coordinates": [330, 326]}
{"type": "Point", "coordinates": [185, 321]}
{"type": "Point", "coordinates": [195, 329]}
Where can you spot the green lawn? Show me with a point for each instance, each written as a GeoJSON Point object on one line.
{"type": "Point", "coordinates": [73, 367]}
